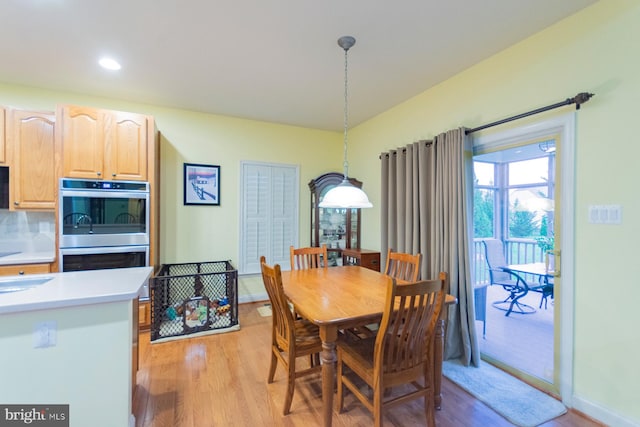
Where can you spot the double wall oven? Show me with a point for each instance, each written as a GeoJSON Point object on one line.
{"type": "Point", "coordinates": [103, 224]}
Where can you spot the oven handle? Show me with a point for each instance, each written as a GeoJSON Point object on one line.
{"type": "Point", "coordinates": [103, 250]}
{"type": "Point", "coordinates": [106, 194]}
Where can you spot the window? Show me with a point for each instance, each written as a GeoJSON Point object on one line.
{"type": "Point", "coordinates": [269, 214]}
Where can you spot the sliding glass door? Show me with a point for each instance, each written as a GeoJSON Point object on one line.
{"type": "Point", "coordinates": [516, 197]}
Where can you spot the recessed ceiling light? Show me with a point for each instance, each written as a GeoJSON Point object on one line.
{"type": "Point", "coordinates": [109, 64]}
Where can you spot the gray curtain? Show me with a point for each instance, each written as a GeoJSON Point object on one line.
{"type": "Point", "coordinates": [427, 207]}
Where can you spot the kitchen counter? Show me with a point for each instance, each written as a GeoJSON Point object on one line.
{"type": "Point", "coordinates": [76, 288]}
{"type": "Point", "coordinates": [43, 257]}
{"type": "Point", "coordinates": [74, 340]}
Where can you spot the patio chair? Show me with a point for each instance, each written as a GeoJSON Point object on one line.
{"type": "Point", "coordinates": [400, 355]}
{"type": "Point", "coordinates": [290, 338]}
{"type": "Point", "coordinates": [500, 275]}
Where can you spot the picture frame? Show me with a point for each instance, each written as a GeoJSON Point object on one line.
{"type": "Point", "coordinates": [201, 184]}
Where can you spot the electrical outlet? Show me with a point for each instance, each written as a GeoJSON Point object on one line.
{"type": "Point", "coordinates": [44, 334]}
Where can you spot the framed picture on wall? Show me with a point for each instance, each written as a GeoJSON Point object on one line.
{"type": "Point", "coordinates": [201, 184]}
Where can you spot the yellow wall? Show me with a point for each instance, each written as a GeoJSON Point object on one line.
{"type": "Point", "coordinates": [595, 51]}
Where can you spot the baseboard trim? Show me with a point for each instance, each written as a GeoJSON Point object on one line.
{"type": "Point", "coordinates": [253, 298]}
{"type": "Point", "coordinates": [600, 413]}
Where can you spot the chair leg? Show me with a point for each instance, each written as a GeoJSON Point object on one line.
{"type": "Point", "coordinates": [377, 407]}
{"type": "Point", "coordinates": [272, 367]}
{"type": "Point", "coordinates": [291, 384]}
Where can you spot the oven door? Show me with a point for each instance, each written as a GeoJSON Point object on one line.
{"type": "Point", "coordinates": [103, 218]}
{"type": "Point", "coordinates": [100, 258]}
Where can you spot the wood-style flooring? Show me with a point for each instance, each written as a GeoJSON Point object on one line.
{"type": "Point", "coordinates": [221, 380]}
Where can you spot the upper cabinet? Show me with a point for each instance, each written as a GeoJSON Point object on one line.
{"type": "Point", "coordinates": [103, 144]}
{"type": "Point", "coordinates": [337, 228]}
{"type": "Point", "coordinates": [31, 152]}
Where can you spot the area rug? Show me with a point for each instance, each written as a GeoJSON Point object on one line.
{"type": "Point", "coordinates": [518, 402]}
{"type": "Point", "coordinates": [265, 310]}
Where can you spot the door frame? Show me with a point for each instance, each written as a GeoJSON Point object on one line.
{"type": "Point", "coordinates": [564, 125]}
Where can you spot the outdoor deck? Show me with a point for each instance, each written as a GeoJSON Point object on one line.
{"type": "Point", "coordinates": [523, 341]}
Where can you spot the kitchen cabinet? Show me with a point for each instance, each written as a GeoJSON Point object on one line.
{"type": "Point", "coordinates": [104, 144]}
{"type": "Point", "coordinates": [144, 314]}
{"type": "Point", "coordinates": [20, 269]}
{"type": "Point", "coordinates": [337, 228]}
{"type": "Point", "coordinates": [31, 152]}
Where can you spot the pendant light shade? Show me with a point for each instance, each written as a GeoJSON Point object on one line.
{"type": "Point", "coordinates": [345, 195]}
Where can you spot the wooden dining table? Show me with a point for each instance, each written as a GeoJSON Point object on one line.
{"type": "Point", "coordinates": [344, 297]}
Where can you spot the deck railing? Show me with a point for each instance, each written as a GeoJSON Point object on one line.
{"type": "Point", "coordinates": [518, 251]}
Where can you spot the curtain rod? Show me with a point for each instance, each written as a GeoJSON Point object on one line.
{"type": "Point", "coordinates": [579, 99]}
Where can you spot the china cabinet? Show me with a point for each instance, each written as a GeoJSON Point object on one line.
{"type": "Point", "coordinates": [337, 228]}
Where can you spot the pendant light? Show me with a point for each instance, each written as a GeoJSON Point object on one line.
{"type": "Point", "coordinates": [345, 195]}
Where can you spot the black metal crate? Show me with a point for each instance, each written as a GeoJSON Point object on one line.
{"type": "Point", "coordinates": [197, 297]}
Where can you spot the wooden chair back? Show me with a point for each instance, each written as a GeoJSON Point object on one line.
{"type": "Point", "coordinates": [283, 321]}
{"type": "Point", "coordinates": [407, 329]}
{"type": "Point", "coordinates": [309, 257]}
{"type": "Point", "coordinates": [291, 338]}
{"type": "Point", "coordinates": [402, 352]}
{"type": "Point", "coordinates": [403, 266]}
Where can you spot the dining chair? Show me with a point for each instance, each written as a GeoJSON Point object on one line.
{"type": "Point", "coordinates": [401, 266]}
{"type": "Point", "coordinates": [308, 257]}
{"type": "Point", "coordinates": [401, 354]}
{"type": "Point", "coordinates": [500, 275]}
{"type": "Point", "coordinates": [290, 338]}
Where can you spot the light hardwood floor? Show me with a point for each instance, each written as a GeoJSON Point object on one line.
{"type": "Point", "coordinates": [221, 380]}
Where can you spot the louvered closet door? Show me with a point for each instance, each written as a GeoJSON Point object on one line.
{"type": "Point", "coordinates": [269, 214]}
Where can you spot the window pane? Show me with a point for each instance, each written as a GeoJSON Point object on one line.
{"type": "Point", "coordinates": [529, 171]}
{"type": "Point", "coordinates": [527, 208]}
{"type": "Point", "coordinates": [484, 173]}
{"type": "Point", "coordinates": [483, 212]}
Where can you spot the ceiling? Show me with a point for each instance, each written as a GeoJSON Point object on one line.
{"type": "Point", "coordinates": [276, 61]}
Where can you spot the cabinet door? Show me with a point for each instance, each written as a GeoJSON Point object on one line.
{"type": "Point", "coordinates": [31, 149]}
{"type": "Point", "coordinates": [82, 142]}
{"type": "Point", "coordinates": [3, 157]}
{"type": "Point", "coordinates": [126, 146]}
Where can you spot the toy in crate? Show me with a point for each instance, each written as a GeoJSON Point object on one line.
{"type": "Point", "coordinates": [193, 298]}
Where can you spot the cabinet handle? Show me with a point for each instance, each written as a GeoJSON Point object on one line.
{"type": "Point", "coordinates": [113, 174]}
{"type": "Point", "coordinates": [99, 173]}
{"type": "Point", "coordinates": [16, 203]}
{"type": "Point", "coordinates": [21, 272]}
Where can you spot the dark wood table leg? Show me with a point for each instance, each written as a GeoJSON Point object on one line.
{"type": "Point", "coordinates": [329, 335]}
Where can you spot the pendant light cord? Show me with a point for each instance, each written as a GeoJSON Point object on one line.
{"type": "Point", "coordinates": [346, 114]}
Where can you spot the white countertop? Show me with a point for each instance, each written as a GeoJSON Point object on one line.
{"type": "Point", "coordinates": [76, 288]}
{"type": "Point", "coordinates": [28, 258]}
